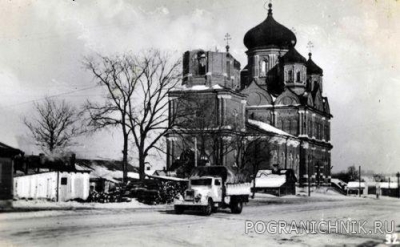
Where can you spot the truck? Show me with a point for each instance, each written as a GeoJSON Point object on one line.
{"type": "Point", "coordinates": [213, 187]}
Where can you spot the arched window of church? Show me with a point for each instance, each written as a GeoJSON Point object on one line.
{"type": "Point", "coordinates": [294, 127]}
{"type": "Point", "coordinates": [274, 157]}
{"type": "Point", "coordinates": [290, 75]}
{"type": "Point", "coordinates": [298, 76]}
{"type": "Point", "coordinates": [228, 69]}
{"type": "Point", "coordinates": [202, 59]}
{"type": "Point", "coordinates": [319, 131]}
{"type": "Point", "coordinates": [263, 67]}
{"type": "Point", "coordinates": [326, 133]}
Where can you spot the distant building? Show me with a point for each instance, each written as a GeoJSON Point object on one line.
{"type": "Point", "coordinates": [277, 97]}
{"type": "Point", "coordinates": [7, 159]}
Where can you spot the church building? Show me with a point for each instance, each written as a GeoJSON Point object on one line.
{"type": "Point", "coordinates": [272, 112]}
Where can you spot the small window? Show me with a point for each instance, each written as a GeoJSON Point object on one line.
{"type": "Point", "coordinates": [64, 181]}
{"type": "Point", "coordinates": [217, 182]}
{"type": "Point", "coordinates": [290, 75]}
{"type": "Point", "coordinates": [228, 69]}
{"type": "Point", "coordinates": [298, 78]}
{"type": "Point", "coordinates": [264, 67]}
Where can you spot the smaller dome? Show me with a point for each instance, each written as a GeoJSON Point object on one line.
{"type": "Point", "coordinates": [312, 68]}
{"type": "Point", "coordinates": [293, 56]}
{"type": "Point", "coordinates": [269, 34]}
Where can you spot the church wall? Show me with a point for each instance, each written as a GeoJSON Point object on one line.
{"type": "Point", "coordinates": [288, 120]}
{"type": "Point", "coordinates": [327, 131]}
{"type": "Point", "coordinates": [315, 160]}
{"type": "Point", "coordinates": [201, 108]}
{"type": "Point", "coordinates": [293, 159]}
{"type": "Point", "coordinates": [317, 126]}
{"type": "Point", "coordinates": [260, 114]}
{"type": "Point", "coordinates": [234, 111]}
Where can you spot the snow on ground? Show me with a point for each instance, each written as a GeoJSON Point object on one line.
{"type": "Point", "coordinates": [42, 204]}
{"type": "Point", "coordinates": [42, 208]}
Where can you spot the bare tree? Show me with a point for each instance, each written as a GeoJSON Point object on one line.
{"type": "Point", "coordinates": [254, 152]}
{"type": "Point", "coordinates": [55, 125]}
{"type": "Point", "coordinates": [137, 89]}
{"type": "Point", "coordinates": [148, 108]}
{"type": "Point", "coordinates": [119, 76]}
{"type": "Point", "coordinates": [197, 118]}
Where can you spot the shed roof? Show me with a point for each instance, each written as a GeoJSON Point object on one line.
{"type": "Point", "coordinates": [7, 151]}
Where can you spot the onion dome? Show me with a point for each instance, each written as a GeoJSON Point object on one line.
{"type": "Point", "coordinates": [293, 56]}
{"type": "Point", "coordinates": [312, 68]}
{"type": "Point", "coordinates": [269, 34]}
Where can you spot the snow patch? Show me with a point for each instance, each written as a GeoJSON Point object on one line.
{"type": "Point", "coordinates": [267, 127]}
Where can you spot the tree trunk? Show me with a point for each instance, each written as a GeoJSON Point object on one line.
{"type": "Point", "coordinates": [125, 160]}
{"type": "Point", "coordinates": [124, 150]}
{"type": "Point", "coordinates": [142, 173]}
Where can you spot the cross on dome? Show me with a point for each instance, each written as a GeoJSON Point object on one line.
{"type": "Point", "coordinates": [310, 45]}
{"type": "Point", "coordinates": [227, 38]}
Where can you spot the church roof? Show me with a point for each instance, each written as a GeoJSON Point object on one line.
{"type": "Point", "coordinates": [269, 34]}
{"type": "Point", "coordinates": [293, 56]}
{"type": "Point", "coordinates": [312, 68]}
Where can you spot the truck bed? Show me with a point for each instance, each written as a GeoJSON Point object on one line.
{"type": "Point", "coordinates": [238, 189]}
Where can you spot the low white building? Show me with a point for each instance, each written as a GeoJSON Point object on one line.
{"type": "Point", "coordinates": [54, 186]}
{"type": "Point", "coordinates": [279, 182]}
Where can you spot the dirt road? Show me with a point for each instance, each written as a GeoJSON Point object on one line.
{"type": "Point", "coordinates": [127, 227]}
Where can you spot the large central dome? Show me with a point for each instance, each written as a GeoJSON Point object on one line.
{"type": "Point", "coordinates": [269, 34]}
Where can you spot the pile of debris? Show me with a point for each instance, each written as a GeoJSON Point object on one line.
{"type": "Point", "coordinates": [149, 192]}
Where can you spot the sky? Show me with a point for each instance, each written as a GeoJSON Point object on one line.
{"type": "Point", "coordinates": [43, 44]}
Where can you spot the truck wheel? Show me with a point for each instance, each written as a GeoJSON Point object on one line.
{"type": "Point", "coordinates": [179, 209]}
{"type": "Point", "coordinates": [236, 207]}
{"type": "Point", "coordinates": [207, 210]}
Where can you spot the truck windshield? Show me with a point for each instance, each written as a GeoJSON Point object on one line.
{"type": "Point", "coordinates": [200, 182]}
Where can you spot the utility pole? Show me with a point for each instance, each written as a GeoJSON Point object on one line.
{"type": "Point", "coordinates": [398, 184]}
{"type": "Point", "coordinates": [317, 167]}
{"type": "Point", "coordinates": [255, 170]}
{"type": "Point", "coordinates": [308, 178]}
{"type": "Point", "coordinates": [359, 181]}
{"type": "Point", "coordinates": [195, 151]}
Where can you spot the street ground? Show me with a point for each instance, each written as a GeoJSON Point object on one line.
{"type": "Point", "coordinates": [161, 227]}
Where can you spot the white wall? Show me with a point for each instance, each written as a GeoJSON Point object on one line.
{"type": "Point", "coordinates": [44, 186]}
